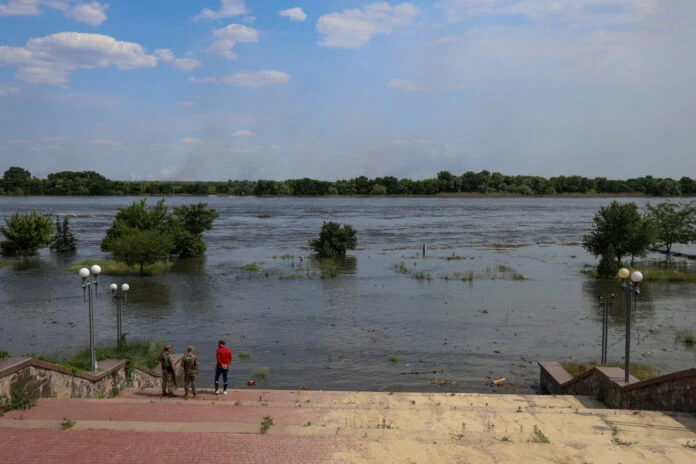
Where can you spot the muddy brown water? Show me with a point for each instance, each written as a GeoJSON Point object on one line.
{"type": "Point", "coordinates": [339, 332]}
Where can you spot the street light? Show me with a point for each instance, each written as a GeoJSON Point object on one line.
{"type": "Point", "coordinates": [606, 306]}
{"type": "Point", "coordinates": [119, 296]}
{"type": "Point", "coordinates": [630, 288]}
{"type": "Point", "coordinates": [90, 277]}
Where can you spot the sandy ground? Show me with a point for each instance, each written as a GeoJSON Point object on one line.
{"type": "Point", "coordinates": [367, 427]}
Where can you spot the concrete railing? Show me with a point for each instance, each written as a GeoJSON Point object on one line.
{"type": "Point", "coordinates": [670, 392]}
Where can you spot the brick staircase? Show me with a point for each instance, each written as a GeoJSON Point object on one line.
{"type": "Point", "coordinates": [335, 427]}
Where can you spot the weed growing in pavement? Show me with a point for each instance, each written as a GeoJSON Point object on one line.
{"type": "Point", "coordinates": [308, 424]}
{"type": "Point", "coordinates": [244, 355]}
{"type": "Point", "coordinates": [67, 424]}
{"type": "Point", "coordinates": [260, 373]}
{"type": "Point", "coordinates": [266, 424]}
{"type": "Point", "coordinates": [539, 436]}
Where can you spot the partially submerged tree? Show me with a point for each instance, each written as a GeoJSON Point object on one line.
{"type": "Point", "coordinates": [65, 241]}
{"type": "Point", "coordinates": [26, 233]}
{"type": "Point", "coordinates": [608, 266]}
{"type": "Point", "coordinates": [182, 231]}
{"type": "Point", "coordinates": [622, 227]}
{"type": "Point", "coordinates": [334, 240]}
{"type": "Point", "coordinates": [141, 248]}
{"type": "Point", "coordinates": [675, 223]}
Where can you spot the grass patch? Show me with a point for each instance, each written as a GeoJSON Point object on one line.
{"type": "Point", "coordinates": [4, 354]}
{"type": "Point", "coordinates": [641, 371]}
{"type": "Point", "coordinates": [687, 337]}
{"type": "Point", "coordinates": [308, 424]}
{"type": "Point", "coordinates": [423, 276]}
{"type": "Point", "coordinates": [667, 275]}
{"type": "Point", "coordinates": [506, 438]}
{"type": "Point", "coordinates": [690, 444]}
{"type": "Point", "coordinates": [590, 272]}
{"type": "Point", "coordinates": [454, 257]}
{"type": "Point", "coordinates": [539, 436]}
{"type": "Point", "coordinates": [139, 352]}
{"type": "Point", "coordinates": [260, 373]}
{"type": "Point", "coordinates": [401, 268]}
{"type": "Point", "coordinates": [252, 267]}
{"type": "Point", "coordinates": [67, 424]}
{"type": "Point", "coordinates": [244, 355]}
{"type": "Point", "coordinates": [394, 359]}
{"type": "Point", "coordinates": [9, 262]}
{"type": "Point", "coordinates": [266, 424]}
{"type": "Point", "coordinates": [111, 267]}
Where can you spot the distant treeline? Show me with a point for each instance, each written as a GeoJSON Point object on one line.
{"type": "Point", "coordinates": [18, 181]}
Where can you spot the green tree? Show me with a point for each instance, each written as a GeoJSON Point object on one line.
{"type": "Point", "coordinates": [65, 241]}
{"type": "Point", "coordinates": [675, 223]}
{"type": "Point", "coordinates": [334, 240]}
{"type": "Point", "coordinates": [608, 265]}
{"type": "Point", "coordinates": [184, 226]}
{"type": "Point", "coordinates": [26, 233]}
{"type": "Point", "coordinates": [15, 180]}
{"type": "Point", "coordinates": [141, 247]}
{"type": "Point", "coordinates": [622, 227]}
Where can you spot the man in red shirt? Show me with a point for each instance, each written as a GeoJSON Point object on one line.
{"type": "Point", "coordinates": [224, 358]}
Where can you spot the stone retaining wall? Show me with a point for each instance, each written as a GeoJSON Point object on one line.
{"type": "Point", "coordinates": [45, 380]}
{"type": "Point", "coordinates": [670, 392]}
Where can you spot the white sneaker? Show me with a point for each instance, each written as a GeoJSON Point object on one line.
{"type": "Point", "coordinates": [217, 392]}
{"type": "Point", "coordinates": [225, 392]}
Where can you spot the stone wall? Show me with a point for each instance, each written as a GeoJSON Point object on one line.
{"type": "Point", "coordinates": [46, 380]}
{"type": "Point", "coordinates": [670, 392]}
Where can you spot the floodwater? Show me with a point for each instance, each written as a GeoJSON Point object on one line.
{"type": "Point", "coordinates": [339, 332]}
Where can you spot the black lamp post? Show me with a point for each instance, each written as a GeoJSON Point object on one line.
{"type": "Point", "coordinates": [90, 278]}
{"type": "Point", "coordinates": [631, 291]}
{"type": "Point", "coordinates": [119, 296]}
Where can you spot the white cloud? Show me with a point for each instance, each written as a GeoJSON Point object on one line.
{"type": "Point", "coordinates": [191, 141]}
{"type": "Point", "coordinates": [106, 143]}
{"type": "Point", "coordinates": [249, 19]}
{"type": "Point", "coordinates": [90, 13]}
{"type": "Point", "coordinates": [403, 84]}
{"type": "Point", "coordinates": [293, 14]}
{"type": "Point", "coordinates": [182, 64]}
{"type": "Point", "coordinates": [355, 27]}
{"type": "Point", "coordinates": [228, 37]}
{"type": "Point", "coordinates": [165, 54]}
{"type": "Point", "coordinates": [409, 143]}
{"type": "Point", "coordinates": [29, 7]}
{"type": "Point", "coordinates": [186, 64]}
{"type": "Point", "coordinates": [52, 139]}
{"type": "Point", "coordinates": [19, 142]}
{"type": "Point", "coordinates": [256, 79]}
{"type": "Point", "coordinates": [228, 9]}
{"type": "Point", "coordinates": [6, 90]}
{"type": "Point", "coordinates": [51, 59]}
{"type": "Point", "coordinates": [444, 40]}
{"type": "Point", "coordinates": [244, 133]}
{"type": "Point", "coordinates": [186, 103]}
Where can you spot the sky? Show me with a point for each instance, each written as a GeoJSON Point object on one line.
{"type": "Point", "coordinates": [333, 89]}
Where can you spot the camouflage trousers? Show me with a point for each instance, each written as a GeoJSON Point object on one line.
{"type": "Point", "coordinates": [167, 382]}
{"type": "Point", "coordinates": [190, 380]}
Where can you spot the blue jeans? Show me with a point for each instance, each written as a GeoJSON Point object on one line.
{"type": "Point", "coordinates": [218, 371]}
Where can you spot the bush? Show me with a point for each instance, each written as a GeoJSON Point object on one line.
{"type": "Point", "coordinates": [26, 233]}
{"type": "Point", "coordinates": [608, 266]}
{"type": "Point", "coordinates": [334, 240]}
{"type": "Point", "coordinates": [65, 241]}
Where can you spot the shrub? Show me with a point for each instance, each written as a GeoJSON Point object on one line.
{"type": "Point", "coordinates": [334, 240]}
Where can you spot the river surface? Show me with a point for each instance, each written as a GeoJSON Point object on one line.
{"type": "Point", "coordinates": [339, 332]}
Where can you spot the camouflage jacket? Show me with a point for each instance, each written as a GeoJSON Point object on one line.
{"type": "Point", "coordinates": [190, 363]}
{"type": "Point", "coordinates": [166, 359]}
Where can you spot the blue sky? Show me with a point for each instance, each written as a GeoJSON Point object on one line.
{"type": "Point", "coordinates": [231, 89]}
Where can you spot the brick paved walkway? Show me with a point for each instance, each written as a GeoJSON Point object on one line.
{"type": "Point", "coordinates": [341, 427]}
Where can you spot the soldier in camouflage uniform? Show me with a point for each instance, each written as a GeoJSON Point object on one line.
{"type": "Point", "coordinates": [168, 380]}
{"type": "Point", "coordinates": [190, 363]}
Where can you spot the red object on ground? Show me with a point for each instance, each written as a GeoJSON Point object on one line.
{"type": "Point", "coordinates": [224, 356]}
{"type": "Point", "coordinates": [251, 383]}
